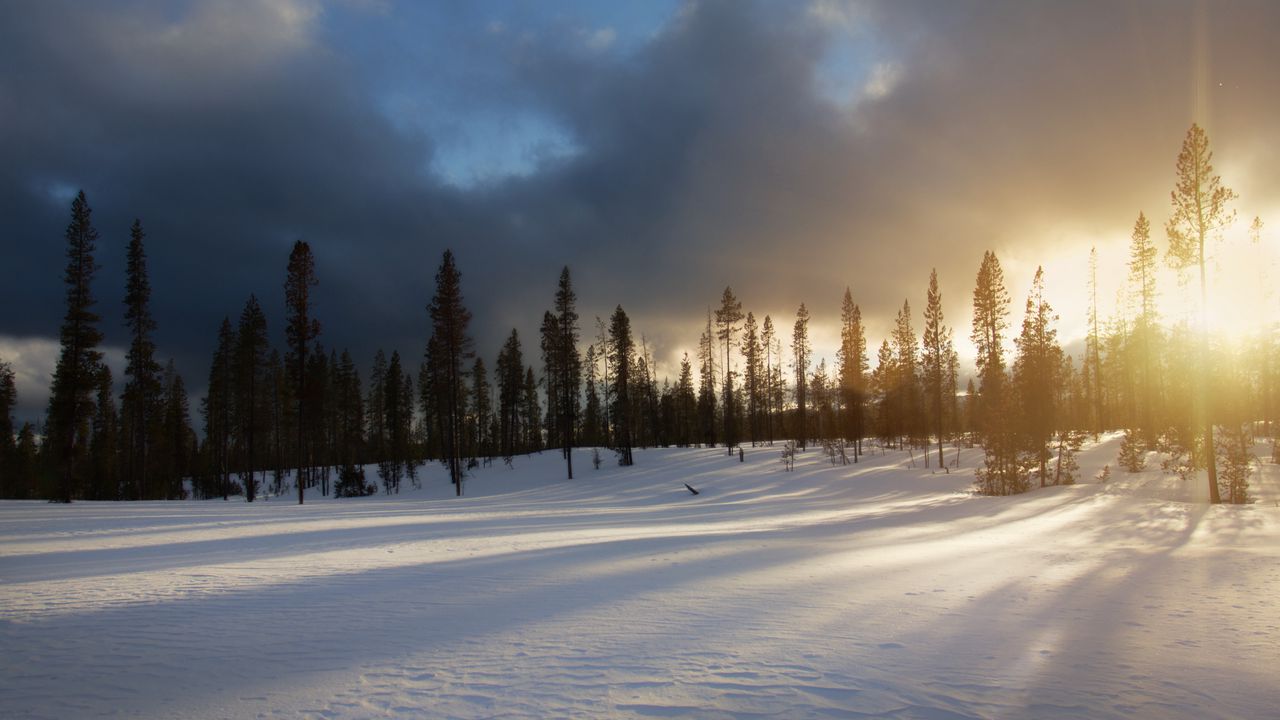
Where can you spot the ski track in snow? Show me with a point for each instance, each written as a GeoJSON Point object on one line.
{"type": "Point", "coordinates": [873, 590]}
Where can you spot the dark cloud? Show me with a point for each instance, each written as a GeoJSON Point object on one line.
{"type": "Point", "coordinates": [710, 154]}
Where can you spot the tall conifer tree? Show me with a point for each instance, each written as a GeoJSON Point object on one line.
{"type": "Point", "coordinates": [450, 347]}
{"type": "Point", "coordinates": [301, 330]}
{"type": "Point", "coordinates": [141, 400]}
{"type": "Point", "coordinates": [1200, 212]}
{"type": "Point", "coordinates": [801, 351]}
{"type": "Point", "coordinates": [75, 376]}
{"type": "Point", "coordinates": [621, 344]}
{"type": "Point", "coordinates": [936, 358]}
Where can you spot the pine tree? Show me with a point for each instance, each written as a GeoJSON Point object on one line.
{"type": "Point", "coordinates": [568, 365]}
{"type": "Point", "coordinates": [1200, 212]}
{"type": "Point", "coordinates": [481, 409]}
{"type": "Point", "coordinates": [216, 410]}
{"type": "Point", "coordinates": [707, 385]}
{"type": "Point", "coordinates": [767, 339]}
{"type": "Point", "coordinates": [884, 385]}
{"type": "Point", "coordinates": [105, 443]}
{"type": "Point", "coordinates": [178, 440]}
{"type": "Point", "coordinates": [376, 408]}
{"type": "Point", "coordinates": [852, 371]}
{"type": "Point", "coordinates": [301, 330]}
{"type": "Point", "coordinates": [1036, 375]}
{"type": "Point", "coordinates": [350, 402]}
{"type": "Point", "coordinates": [140, 403]}
{"type": "Point", "coordinates": [396, 420]}
{"type": "Point", "coordinates": [531, 411]}
{"type": "Point", "coordinates": [8, 450]}
{"type": "Point", "coordinates": [686, 405]}
{"type": "Point", "coordinates": [801, 351]}
{"type": "Point", "coordinates": [75, 376]}
{"type": "Point", "coordinates": [936, 357]}
{"type": "Point", "coordinates": [727, 318]}
{"type": "Point", "coordinates": [510, 377]}
{"type": "Point", "coordinates": [753, 376]}
{"type": "Point", "coordinates": [907, 382]}
{"type": "Point", "coordinates": [451, 346]}
{"type": "Point", "coordinates": [621, 344]}
{"type": "Point", "coordinates": [26, 461]}
{"type": "Point", "coordinates": [1093, 351]}
{"type": "Point", "coordinates": [249, 393]}
{"type": "Point", "coordinates": [1001, 474]}
{"type": "Point", "coordinates": [592, 413]}
{"type": "Point", "coordinates": [1142, 268]}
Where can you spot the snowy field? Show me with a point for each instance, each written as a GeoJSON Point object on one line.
{"type": "Point", "coordinates": [877, 590]}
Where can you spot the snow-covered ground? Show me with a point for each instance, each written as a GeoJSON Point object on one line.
{"type": "Point", "coordinates": [876, 590]}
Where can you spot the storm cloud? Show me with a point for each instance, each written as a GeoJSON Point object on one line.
{"type": "Point", "coordinates": [789, 150]}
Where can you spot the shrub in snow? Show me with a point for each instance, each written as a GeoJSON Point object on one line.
{"type": "Point", "coordinates": [351, 483]}
{"type": "Point", "coordinates": [1235, 457]}
{"type": "Point", "coordinates": [1132, 456]}
{"type": "Point", "coordinates": [789, 455]}
{"type": "Point", "coordinates": [1181, 447]}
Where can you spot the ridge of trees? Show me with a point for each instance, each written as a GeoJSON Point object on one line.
{"type": "Point", "coordinates": [308, 410]}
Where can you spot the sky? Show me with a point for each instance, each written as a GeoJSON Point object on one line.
{"type": "Point", "coordinates": [662, 150]}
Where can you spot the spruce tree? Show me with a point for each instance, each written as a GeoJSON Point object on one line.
{"type": "Point", "coordinates": [752, 376]}
{"type": "Point", "coordinates": [8, 448]}
{"type": "Point", "coordinates": [510, 377]}
{"type": "Point", "coordinates": [75, 376]}
{"type": "Point", "coordinates": [621, 344]}
{"type": "Point", "coordinates": [707, 385]}
{"type": "Point", "coordinates": [852, 372]}
{"type": "Point", "coordinates": [1142, 269]}
{"type": "Point", "coordinates": [451, 346]}
{"type": "Point", "coordinates": [728, 316]}
{"type": "Point", "coordinates": [216, 410]}
{"type": "Point", "coordinates": [1094, 389]}
{"type": "Point", "coordinates": [592, 413]}
{"type": "Point", "coordinates": [301, 330]}
{"type": "Point", "coordinates": [568, 364]}
{"type": "Point", "coordinates": [1035, 375]}
{"type": "Point", "coordinates": [1200, 212]}
{"type": "Point", "coordinates": [936, 358]}
{"type": "Point", "coordinates": [767, 339]}
{"type": "Point", "coordinates": [249, 388]}
{"type": "Point", "coordinates": [105, 443]}
{"type": "Point", "coordinates": [481, 409]}
{"type": "Point", "coordinates": [1001, 474]}
{"type": "Point", "coordinates": [140, 402]}
{"type": "Point", "coordinates": [178, 440]}
{"type": "Point", "coordinates": [906, 349]}
{"type": "Point", "coordinates": [801, 351]}
{"type": "Point", "coordinates": [376, 408]}
{"type": "Point", "coordinates": [397, 420]}
{"type": "Point", "coordinates": [686, 406]}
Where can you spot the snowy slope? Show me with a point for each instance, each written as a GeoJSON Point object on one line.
{"type": "Point", "coordinates": [875, 590]}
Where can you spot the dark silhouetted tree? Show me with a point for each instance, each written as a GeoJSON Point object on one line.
{"type": "Point", "coordinates": [621, 345]}
{"type": "Point", "coordinates": [250, 394]}
{"type": "Point", "coordinates": [728, 315]}
{"type": "Point", "coordinates": [801, 351]}
{"type": "Point", "coordinates": [302, 329]}
{"type": "Point", "coordinates": [140, 403]}
{"type": "Point", "coordinates": [450, 347]}
{"type": "Point", "coordinates": [75, 377]}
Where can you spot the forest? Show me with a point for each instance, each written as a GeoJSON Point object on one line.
{"type": "Point", "coordinates": [275, 412]}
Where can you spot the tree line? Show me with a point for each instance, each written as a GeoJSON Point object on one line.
{"type": "Point", "coordinates": [305, 420]}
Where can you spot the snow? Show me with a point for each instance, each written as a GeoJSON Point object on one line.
{"type": "Point", "coordinates": [877, 589]}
